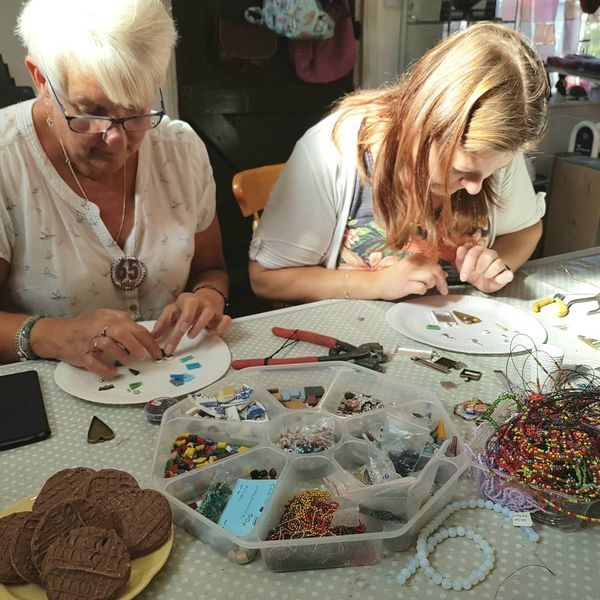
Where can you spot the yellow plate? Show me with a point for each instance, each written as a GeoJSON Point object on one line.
{"type": "Point", "coordinates": [143, 569]}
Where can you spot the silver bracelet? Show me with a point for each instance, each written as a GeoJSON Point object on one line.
{"type": "Point", "coordinates": [23, 335]}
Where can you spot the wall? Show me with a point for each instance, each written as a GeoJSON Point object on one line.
{"type": "Point", "coordinates": [387, 23]}
{"type": "Point", "coordinates": [13, 54]}
{"type": "Point", "coordinates": [381, 32]}
{"type": "Point", "coordinates": [562, 118]}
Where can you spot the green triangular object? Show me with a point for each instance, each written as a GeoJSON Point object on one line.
{"type": "Point", "coordinates": [465, 318]}
{"type": "Point", "coordinates": [99, 431]}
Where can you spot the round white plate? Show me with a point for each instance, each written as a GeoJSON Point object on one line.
{"type": "Point", "coordinates": [500, 323]}
{"type": "Point", "coordinates": [211, 353]}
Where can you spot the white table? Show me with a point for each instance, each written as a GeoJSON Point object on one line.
{"type": "Point", "coordinates": [195, 570]}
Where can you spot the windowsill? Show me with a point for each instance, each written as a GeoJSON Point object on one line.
{"type": "Point", "coordinates": [572, 103]}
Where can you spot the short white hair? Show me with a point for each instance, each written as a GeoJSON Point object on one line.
{"type": "Point", "coordinates": [124, 44]}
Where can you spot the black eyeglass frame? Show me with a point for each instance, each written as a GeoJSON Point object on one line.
{"type": "Point", "coordinates": [111, 120]}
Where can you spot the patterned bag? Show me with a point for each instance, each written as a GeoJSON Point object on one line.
{"type": "Point", "coordinates": [294, 19]}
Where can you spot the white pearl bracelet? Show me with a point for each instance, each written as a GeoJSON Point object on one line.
{"type": "Point", "coordinates": [428, 540]}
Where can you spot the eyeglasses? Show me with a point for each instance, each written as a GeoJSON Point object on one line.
{"type": "Point", "coordinates": [93, 124]}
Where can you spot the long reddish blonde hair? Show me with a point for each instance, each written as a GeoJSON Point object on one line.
{"type": "Point", "coordinates": [480, 89]}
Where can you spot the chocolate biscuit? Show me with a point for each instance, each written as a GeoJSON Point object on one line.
{"type": "Point", "coordinates": [20, 548]}
{"type": "Point", "coordinates": [89, 563]}
{"type": "Point", "coordinates": [60, 519]}
{"type": "Point", "coordinates": [106, 484]}
{"type": "Point", "coordinates": [9, 526]}
{"type": "Point", "coordinates": [61, 486]}
{"type": "Point", "coordinates": [143, 519]}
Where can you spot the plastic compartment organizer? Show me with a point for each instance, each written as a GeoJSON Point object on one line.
{"type": "Point", "coordinates": [387, 471]}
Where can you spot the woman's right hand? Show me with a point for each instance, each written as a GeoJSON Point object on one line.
{"type": "Point", "coordinates": [415, 274]}
{"type": "Point", "coordinates": [94, 341]}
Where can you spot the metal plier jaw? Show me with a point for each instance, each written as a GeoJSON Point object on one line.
{"type": "Point", "coordinates": [369, 355]}
{"type": "Point", "coordinates": [559, 299]}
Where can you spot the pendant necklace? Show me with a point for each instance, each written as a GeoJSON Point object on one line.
{"type": "Point", "coordinates": [127, 272]}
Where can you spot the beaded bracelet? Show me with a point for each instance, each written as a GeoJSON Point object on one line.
{"type": "Point", "coordinates": [428, 540]}
{"type": "Point", "coordinates": [22, 336]}
{"type": "Point", "coordinates": [211, 286]}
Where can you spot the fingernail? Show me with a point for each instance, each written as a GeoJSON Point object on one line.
{"type": "Point", "coordinates": [184, 326]}
{"type": "Point", "coordinates": [169, 349]}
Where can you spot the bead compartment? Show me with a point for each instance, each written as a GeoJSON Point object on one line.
{"type": "Point", "coordinates": [427, 488]}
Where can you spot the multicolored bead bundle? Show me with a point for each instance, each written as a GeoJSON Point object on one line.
{"type": "Point", "coordinates": [552, 445]}
{"type": "Point", "coordinates": [310, 514]}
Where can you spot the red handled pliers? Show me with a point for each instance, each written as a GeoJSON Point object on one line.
{"type": "Point", "coordinates": [370, 355]}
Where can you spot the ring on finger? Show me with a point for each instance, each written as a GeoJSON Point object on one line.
{"type": "Point", "coordinates": [104, 331]}
{"type": "Point", "coordinates": [95, 347]}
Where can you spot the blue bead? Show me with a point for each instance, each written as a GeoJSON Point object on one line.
{"type": "Point", "coordinates": [452, 532]}
{"type": "Point", "coordinates": [457, 585]}
{"type": "Point", "coordinates": [446, 583]}
{"type": "Point", "coordinates": [489, 504]}
{"type": "Point", "coordinates": [480, 503]}
{"type": "Point", "coordinates": [472, 503]}
{"type": "Point", "coordinates": [497, 507]}
{"type": "Point", "coordinates": [437, 578]}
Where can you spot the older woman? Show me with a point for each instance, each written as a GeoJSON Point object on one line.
{"type": "Point", "coordinates": [400, 185]}
{"type": "Point", "coordinates": [107, 207]}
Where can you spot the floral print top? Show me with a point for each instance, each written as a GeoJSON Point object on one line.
{"type": "Point", "coordinates": [364, 244]}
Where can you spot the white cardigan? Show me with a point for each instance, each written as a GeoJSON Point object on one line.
{"type": "Point", "coordinates": [305, 219]}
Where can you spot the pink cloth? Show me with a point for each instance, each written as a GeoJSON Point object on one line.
{"type": "Point", "coordinates": [323, 61]}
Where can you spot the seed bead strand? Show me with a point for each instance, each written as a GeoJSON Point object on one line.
{"type": "Point", "coordinates": [552, 445]}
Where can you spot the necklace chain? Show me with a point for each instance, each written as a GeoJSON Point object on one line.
{"type": "Point", "coordinates": [68, 163]}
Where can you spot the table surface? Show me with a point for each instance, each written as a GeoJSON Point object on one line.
{"type": "Point", "coordinates": [561, 565]}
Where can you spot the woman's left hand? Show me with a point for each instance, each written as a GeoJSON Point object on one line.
{"type": "Point", "coordinates": [190, 314]}
{"type": "Point", "coordinates": [482, 268]}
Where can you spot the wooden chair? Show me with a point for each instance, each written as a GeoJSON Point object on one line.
{"type": "Point", "coordinates": [252, 187]}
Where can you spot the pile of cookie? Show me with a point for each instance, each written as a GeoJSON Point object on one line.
{"type": "Point", "coordinates": [84, 528]}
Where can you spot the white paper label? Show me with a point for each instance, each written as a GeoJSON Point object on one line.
{"type": "Point", "coordinates": [522, 519]}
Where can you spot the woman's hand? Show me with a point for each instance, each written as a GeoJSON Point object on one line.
{"type": "Point", "coordinates": [96, 340]}
{"type": "Point", "coordinates": [191, 313]}
{"type": "Point", "coordinates": [482, 267]}
{"type": "Point", "coordinates": [414, 274]}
